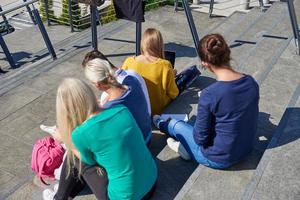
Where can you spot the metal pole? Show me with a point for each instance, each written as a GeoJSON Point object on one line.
{"type": "Point", "coordinates": [175, 5]}
{"type": "Point", "coordinates": [94, 27]}
{"type": "Point", "coordinates": [211, 7]}
{"type": "Point", "coordinates": [191, 23]}
{"type": "Point", "coordinates": [7, 53]}
{"type": "Point", "coordinates": [261, 4]}
{"type": "Point", "coordinates": [294, 24]}
{"type": "Point", "coordinates": [4, 17]}
{"type": "Point", "coordinates": [30, 13]}
{"type": "Point", "coordinates": [44, 33]}
{"type": "Point", "coordinates": [70, 15]}
{"type": "Point", "coordinates": [138, 35]}
{"type": "Point", "coordinates": [47, 11]}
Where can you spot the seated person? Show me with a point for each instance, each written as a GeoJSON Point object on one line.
{"type": "Point", "coordinates": [128, 88]}
{"type": "Point", "coordinates": [227, 115]}
{"type": "Point", "coordinates": [101, 75]}
{"type": "Point", "coordinates": [109, 138]}
{"type": "Point", "coordinates": [156, 71]}
{"type": "Point", "coordinates": [120, 74]}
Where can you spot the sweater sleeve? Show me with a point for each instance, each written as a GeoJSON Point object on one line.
{"type": "Point", "coordinates": [172, 89]}
{"type": "Point", "coordinates": [80, 143]}
{"type": "Point", "coordinates": [127, 63]}
{"type": "Point", "coordinates": [203, 125]}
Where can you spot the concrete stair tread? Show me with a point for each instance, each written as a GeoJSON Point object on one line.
{"type": "Point", "coordinates": [277, 175]}
{"type": "Point", "coordinates": [203, 183]}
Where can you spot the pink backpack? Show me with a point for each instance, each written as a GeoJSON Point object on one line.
{"type": "Point", "coordinates": [47, 155]}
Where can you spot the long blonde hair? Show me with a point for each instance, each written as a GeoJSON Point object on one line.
{"type": "Point", "coordinates": [75, 102]}
{"type": "Point", "coordinates": [100, 71]}
{"type": "Point", "coordinates": [153, 43]}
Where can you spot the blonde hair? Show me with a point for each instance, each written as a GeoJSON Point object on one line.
{"type": "Point", "coordinates": [152, 43]}
{"type": "Point", "coordinates": [75, 102]}
{"type": "Point", "coordinates": [100, 71]}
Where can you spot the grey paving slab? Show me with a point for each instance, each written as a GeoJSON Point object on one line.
{"type": "Point", "coordinates": [16, 99]}
{"type": "Point", "coordinates": [278, 174]}
{"type": "Point", "coordinates": [25, 43]}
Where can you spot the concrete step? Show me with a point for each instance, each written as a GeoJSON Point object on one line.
{"type": "Point", "coordinates": [248, 41]}
{"type": "Point", "coordinates": [277, 175]}
{"type": "Point", "coordinates": [264, 55]}
{"type": "Point", "coordinates": [279, 88]}
{"type": "Point", "coordinates": [230, 184]}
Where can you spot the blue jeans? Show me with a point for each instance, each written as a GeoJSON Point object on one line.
{"type": "Point", "coordinates": [183, 132]}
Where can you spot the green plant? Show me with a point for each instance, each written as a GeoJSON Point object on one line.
{"type": "Point", "coordinates": [76, 13]}
{"type": "Point", "coordinates": [42, 9]}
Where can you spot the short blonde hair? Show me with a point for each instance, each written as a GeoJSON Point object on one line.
{"type": "Point", "coordinates": [100, 71]}
{"type": "Point", "coordinates": [152, 43]}
{"type": "Point", "coordinates": [75, 102]}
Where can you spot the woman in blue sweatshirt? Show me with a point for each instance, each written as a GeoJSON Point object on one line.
{"type": "Point", "coordinates": [227, 115]}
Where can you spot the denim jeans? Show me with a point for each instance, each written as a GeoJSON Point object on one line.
{"type": "Point", "coordinates": [183, 132]}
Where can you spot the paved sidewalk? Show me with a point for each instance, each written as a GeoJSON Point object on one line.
{"type": "Point", "coordinates": [32, 101]}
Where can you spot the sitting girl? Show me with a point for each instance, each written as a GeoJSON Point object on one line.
{"type": "Point", "coordinates": [156, 71]}
{"type": "Point", "coordinates": [109, 138]}
{"type": "Point", "coordinates": [227, 115]}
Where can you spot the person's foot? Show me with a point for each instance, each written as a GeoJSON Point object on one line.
{"type": "Point", "coordinates": [178, 148]}
{"type": "Point", "coordinates": [49, 129]}
{"type": "Point", "coordinates": [156, 119]}
{"type": "Point", "coordinates": [48, 194]}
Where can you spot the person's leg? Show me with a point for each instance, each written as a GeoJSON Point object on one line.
{"type": "Point", "coordinates": [96, 178]}
{"type": "Point", "coordinates": [183, 132]}
{"type": "Point", "coordinates": [69, 186]}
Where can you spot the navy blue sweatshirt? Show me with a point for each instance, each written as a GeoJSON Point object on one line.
{"type": "Point", "coordinates": [227, 120]}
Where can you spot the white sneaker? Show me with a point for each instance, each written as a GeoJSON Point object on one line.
{"type": "Point", "coordinates": [178, 148]}
{"type": "Point", "coordinates": [55, 188]}
{"type": "Point", "coordinates": [48, 194]}
{"type": "Point", "coordinates": [156, 119]}
{"type": "Point", "coordinates": [49, 129]}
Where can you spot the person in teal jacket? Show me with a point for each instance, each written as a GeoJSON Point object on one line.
{"type": "Point", "coordinates": [109, 138]}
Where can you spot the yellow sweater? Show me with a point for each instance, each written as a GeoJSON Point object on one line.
{"type": "Point", "coordinates": [159, 78]}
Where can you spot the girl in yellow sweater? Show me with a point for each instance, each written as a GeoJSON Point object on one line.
{"type": "Point", "coordinates": [157, 72]}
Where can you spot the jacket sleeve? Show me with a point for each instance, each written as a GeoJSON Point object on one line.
{"type": "Point", "coordinates": [80, 142]}
{"type": "Point", "coordinates": [171, 87]}
{"type": "Point", "coordinates": [203, 126]}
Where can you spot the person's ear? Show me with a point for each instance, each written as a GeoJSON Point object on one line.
{"type": "Point", "coordinates": [204, 64]}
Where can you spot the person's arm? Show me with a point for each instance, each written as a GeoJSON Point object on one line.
{"type": "Point", "coordinates": [203, 125]}
{"type": "Point", "coordinates": [82, 150]}
{"type": "Point", "coordinates": [171, 87]}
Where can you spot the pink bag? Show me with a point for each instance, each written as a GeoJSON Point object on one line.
{"type": "Point", "coordinates": [47, 155]}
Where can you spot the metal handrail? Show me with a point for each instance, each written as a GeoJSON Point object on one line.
{"type": "Point", "coordinates": [24, 4]}
{"type": "Point", "coordinates": [294, 23]}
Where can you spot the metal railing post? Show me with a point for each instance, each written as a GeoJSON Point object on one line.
{"type": "Point", "coordinates": [44, 33]}
{"type": "Point", "coordinates": [191, 23]}
{"type": "Point", "coordinates": [211, 7]}
{"type": "Point", "coordinates": [94, 26]}
{"type": "Point", "coordinates": [294, 24]}
{"type": "Point", "coordinates": [47, 12]}
{"type": "Point", "coordinates": [261, 5]}
{"type": "Point", "coordinates": [30, 13]}
{"type": "Point", "coordinates": [7, 53]}
{"type": "Point", "coordinates": [138, 37]}
{"type": "Point", "coordinates": [70, 15]}
{"type": "Point", "coordinates": [3, 17]}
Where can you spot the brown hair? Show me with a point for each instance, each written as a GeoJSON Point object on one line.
{"type": "Point", "coordinates": [152, 43]}
{"type": "Point", "coordinates": [95, 54]}
{"type": "Point", "coordinates": [214, 50]}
